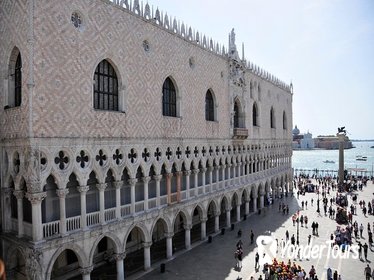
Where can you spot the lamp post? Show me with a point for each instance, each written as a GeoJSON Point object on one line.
{"type": "Point", "coordinates": [297, 230]}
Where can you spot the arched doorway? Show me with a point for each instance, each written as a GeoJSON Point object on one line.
{"type": "Point", "coordinates": [158, 248]}
{"type": "Point", "coordinates": [16, 266]}
{"type": "Point", "coordinates": [210, 223]}
{"type": "Point", "coordinates": [179, 238]}
{"type": "Point", "coordinates": [134, 251]}
{"type": "Point", "coordinates": [66, 266]}
{"type": "Point", "coordinates": [103, 260]}
{"type": "Point", "coordinates": [222, 216]}
{"type": "Point", "coordinates": [196, 225]}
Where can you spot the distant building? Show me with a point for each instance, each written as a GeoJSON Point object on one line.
{"type": "Point", "coordinates": [302, 141]}
{"type": "Point", "coordinates": [331, 142]}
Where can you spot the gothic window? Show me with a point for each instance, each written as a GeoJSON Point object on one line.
{"type": "Point", "coordinates": [105, 87]}
{"type": "Point", "coordinates": [272, 118]}
{"type": "Point", "coordinates": [169, 99]}
{"type": "Point", "coordinates": [209, 106]}
{"type": "Point", "coordinates": [255, 115]}
{"type": "Point", "coordinates": [284, 120]}
{"type": "Point", "coordinates": [236, 115]}
{"type": "Point", "coordinates": [14, 80]}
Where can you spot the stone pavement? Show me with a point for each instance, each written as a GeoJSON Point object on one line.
{"type": "Point", "coordinates": [216, 260]}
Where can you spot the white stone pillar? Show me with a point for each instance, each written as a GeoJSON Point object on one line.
{"type": "Point", "coordinates": [229, 174]}
{"type": "Point", "coordinates": [19, 195]}
{"type": "Point", "coordinates": [145, 182]}
{"type": "Point", "coordinates": [238, 213]}
{"type": "Point", "coordinates": [132, 183]}
{"type": "Point", "coordinates": [261, 201]}
{"type": "Point", "coordinates": [223, 184]}
{"type": "Point", "coordinates": [216, 222]}
{"type": "Point", "coordinates": [254, 203]}
{"type": "Point", "coordinates": [147, 255]}
{"type": "Point", "coordinates": [247, 207]}
{"type": "Point", "coordinates": [203, 170]}
{"type": "Point", "coordinates": [62, 195]}
{"type": "Point", "coordinates": [196, 182]}
{"type": "Point", "coordinates": [210, 170]}
{"type": "Point", "coordinates": [187, 174]}
{"type": "Point", "coordinates": [101, 188]}
{"type": "Point", "coordinates": [119, 265]}
{"type": "Point", "coordinates": [169, 245]}
{"type": "Point", "coordinates": [234, 178]}
{"type": "Point", "coordinates": [157, 179]}
{"type": "Point", "coordinates": [6, 211]}
{"type": "Point", "coordinates": [217, 177]}
{"type": "Point", "coordinates": [203, 228]}
{"type": "Point", "coordinates": [83, 191]}
{"type": "Point", "coordinates": [118, 185]}
{"type": "Point", "coordinates": [187, 236]}
{"type": "Point", "coordinates": [86, 272]}
{"type": "Point", "coordinates": [36, 203]}
{"type": "Point", "coordinates": [228, 217]}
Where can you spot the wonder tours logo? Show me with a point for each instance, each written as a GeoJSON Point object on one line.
{"type": "Point", "coordinates": [268, 250]}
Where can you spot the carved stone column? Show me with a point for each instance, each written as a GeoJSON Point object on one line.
{"type": "Point", "coordinates": [179, 185]}
{"type": "Point", "coordinates": [187, 235]}
{"type": "Point", "coordinates": [203, 170]}
{"type": "Point", "coordinates": [216, 222]}
{"type": "Point", "coordinates": [254, 198]}
{"type": "Point", "coordinates": [132, 183]}
{"type": "Point", "coordinates": [247, 206]}
{"type": "Point", "coordinates": [147, 255]}
{"type": "Point", "coordinates": [228, 217]}
{"type": "Point", "coordinates": [262, 200]}
{"type": "Point", "coordinates": [62, 195]}
{"type": "Point", "coordinates": [6, 197]}
{"type": "Point", "coordinates": [210, 170]}
{"type": "Point", "coordinates": [158, 179]}
{"type": "Point", "coordinates": [119, 265]}
{"type": "Point", "coordinates": [19, 195]}
{"type": "Point", "coordinates": [229, 174]}
{"type": "Point", "coordinates": [196, 182]}
{"type": "Point", "coordinates": [234, 179]}
{"type": "Point", "coordinates": [238, 212]}
{"type": "Point", "coordinates": [217, 177]}
{"type": "Point", "coordinates": [36, 202]}
{"type": "Point", "coordinates": [203, 228]}
{"type": "Point", "coordinates": [83, 191]}
{"type": "Point", "coordinates": [101, 188]}
{"type": "Point", "coordinates": [118, 185]}
{"type": "Point", "coordinates": [169, 244]}
{"type": "Point", "coordinates": [168, 187]}
{"type": "Point", "coordinates": [86, 272]}
{"type": "Point", "coordinates": [187, 174]}
{"type": "Point", "coordinates": [145, 182]}
{"type": "Point", "coordinates": [223, 183]}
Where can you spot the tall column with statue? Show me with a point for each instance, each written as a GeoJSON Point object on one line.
{"type": "Point", "coordinates": [341, 136]}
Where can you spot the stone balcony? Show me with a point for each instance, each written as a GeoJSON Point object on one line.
{"type": "Point", "coordinates": [240, 133]}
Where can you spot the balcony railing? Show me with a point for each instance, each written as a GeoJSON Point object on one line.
{"type": "Point", "coordinates": [93, 218]}
{"type": "Point", "coordinates": [240, 133]}
{"type": "Point", "coordinates": [51, 229]}
{"type": "Point", "coordinates": [73, 223]}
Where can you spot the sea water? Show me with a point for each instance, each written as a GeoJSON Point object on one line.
{"type": "Point", "coordinates": [314, 159]}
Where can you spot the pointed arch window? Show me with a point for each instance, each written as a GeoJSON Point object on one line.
{"type": "Point", "coordinates": [14, 97]}
{"type": "Point", "coordinates": [236, 115]}
{"type": "Point", "coordinates": [255, 115]}
{"type": "Point", "coordinates": [284, 120]}
{"type": "Point", "coordinates": [105, 87]}
{"type": "Point", "coordinates": [272, 118]}
{"type": "Point", "coordinates": [169, 99]}
{"type": "Point", "coordinates": [209, 106]}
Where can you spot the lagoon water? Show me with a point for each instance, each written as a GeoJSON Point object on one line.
{"type": "Point", "coordinates": [313, 159]}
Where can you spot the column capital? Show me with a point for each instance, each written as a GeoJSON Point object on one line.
{"type": "Point", "coordinates": [255, 196]}
{"type": "Point", "coordinates": [169, 234]}
{"type": "Point", "coordinates": [187, 227]}
{"type": "Point", "coordinates": [19, 194]}
{"type": "Point", "coordinates": [235, 164]}
{"type": "Point", "coordinates": [179, 173]}
{"type": "Point", "coordinates": [223, 166]}
{"type": "Point", "coordinates": [157, 177]}
{"type": "Point", "coordinates": [101, 186]}
{"type": "Point", "coordinates": [217, 213]}
{"type": "Point", "coordinates": [36, 198]}
{"type": "Point", "coordinates": [204, 220]}
{"type": "Point", "coordinates": [147, 244]}
{"type": "Point", "coordinates": [229, 165]}
{"type": "Point", "coordinates": [83, 189]}
{"type": "Point", "coordinates": [210, 168]}
{"type": "Point", "coordinates": [119, 256]}
{"type": "Point", "coordinates": [169, 175]}
{"type": "Point", "coordinates": [132, 181]}
{"type": "Point", "coordinates": [195, 171]}
{"type": "Point", "coordinates": [187, 172]}
{"type": "Point", "coordinates": [86, 270]}
{"type": "Point", "coordinates": [146, 179]}
{"type": "Point", "coordinates": [118, 184]}
{"type": "Point", "coordinates": [203, 169]}
{"type": "Point", "coordinates": [61, 193]}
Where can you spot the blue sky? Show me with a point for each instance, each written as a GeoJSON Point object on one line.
{"type": "Point", "coordinates": [326, 47]}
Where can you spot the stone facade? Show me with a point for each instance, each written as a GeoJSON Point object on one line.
{"type": "Point", "coordinates": [81, 187]}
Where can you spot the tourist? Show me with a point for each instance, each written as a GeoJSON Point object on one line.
{"type": "Point", "coordinates": [367, 272]}
{"type": "Point", "coordinates": [329, 274]}
{"type": "Point", "coordinates": [359, 249]}
{"type": "Point", "coordinates": [287, 235]}
{"type": "Point", "coordinates": [252, 236]}
{"type": "Point", "coordinates": [335, 277]}
{"type": "Point", "coordinates": [365, 247]}
{"type": "Point", "coordinates": [361, 230]}
{"type": "Point", "coordinates": [306, 221]}
{"type": "Point", "coordinates": [257, 258]}
{"type": "Point", "coordinates": [312, 272]}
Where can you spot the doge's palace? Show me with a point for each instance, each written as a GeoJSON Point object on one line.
{"type": "Point", "coordinates": [127, 136]}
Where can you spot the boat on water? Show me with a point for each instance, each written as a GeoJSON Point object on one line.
{"type": "Point", "coordinates": [328, 161]}
{"type": "Point", "coordinates": [361, 158]}
{"type": "Point", "coordinates": [372, 147]}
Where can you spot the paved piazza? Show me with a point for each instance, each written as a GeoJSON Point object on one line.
{"type": "Point", "coordinates": [216, 260]}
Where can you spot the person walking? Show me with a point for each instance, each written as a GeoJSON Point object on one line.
{"type": "Point", "coordinates": [361, 230]}
{"type": "Point", "coordinates": [365, 247]}
{"type": "Point", "coordinates": [335, 277]}
{"type": "Point", "coordinates": [257, 258]}
{"type": "Point", "coordinates": [367, 272]}
{"type": "Point", "coordinates": [287, 235]}
{"type": "Point", "coordinates": [252, 236]}
{"type": "Point", "coordinates": [329, 274]}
